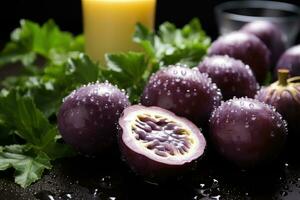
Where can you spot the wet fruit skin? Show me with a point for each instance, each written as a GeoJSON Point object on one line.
{"type": "Point", "coordinates": [290, 60]}
{"type": "Point", "coordinates": [284, 95]}
{"type": "Point", "coordinates": [232, 76]}
{"type": "Point", "coordinates": [153, 153]}
{"type": "Point", "coordinates": [245, 47]}
{"type": "Point", "coordinates": [247, 132]}
{"type": "Point", "coordinates": [87, 119]}
{"type": "Point", "coordinates": [184, 91]}
{"type": "Point", "coordinates": [270, 34]}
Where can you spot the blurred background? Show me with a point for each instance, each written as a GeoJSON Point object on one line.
{"type": "Point", "coordinates": [68, 14]}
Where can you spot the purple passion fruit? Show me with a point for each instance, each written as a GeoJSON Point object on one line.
{"type": "Point", "coordinates": [247, 48]}
{"type": "Point", "coordinates": [233, 77]}
{"type": "Point", "coordinates": [284, 95]}
{"type": "Point", "coordinates": [290, 60]}
{"type": "Point", "coordinates": [247, 132]}
{"type": "Point", "coordinates": [88, 117]}
{"type": "Point", "coordinates": [157, 144]}
{"type": "Point", "coordinates": [184, 91]}
{"type": "Point", "coordinates": [270, 34]}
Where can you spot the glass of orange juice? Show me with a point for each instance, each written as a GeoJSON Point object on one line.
{"type": "Point", "coordinates": [109, 24]}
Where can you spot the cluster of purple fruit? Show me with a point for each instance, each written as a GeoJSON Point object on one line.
{"type": "Point", "coordinates": [161, 137]}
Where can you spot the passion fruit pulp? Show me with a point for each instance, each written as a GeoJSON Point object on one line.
{"type": "Point", "coordinates": [157, 144]}
{"type": "Point", "coordinates": [284, 95]}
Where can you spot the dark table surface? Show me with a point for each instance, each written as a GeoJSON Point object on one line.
{"type": "Point", "coordinates": [111, 179]}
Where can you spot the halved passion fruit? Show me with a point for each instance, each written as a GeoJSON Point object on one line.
{"type": "Point", "coordinates": [157, 144]}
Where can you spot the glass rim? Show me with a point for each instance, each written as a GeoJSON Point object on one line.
{"type": "Point", "coordinates": [221, 9]}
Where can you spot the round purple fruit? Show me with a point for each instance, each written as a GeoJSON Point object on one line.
{"type": "Point", "coordinates": [270, 34]}
{"type": "Point", "coordinates": [284, 95]}
{"type": "Point", "coordinates": [234, 78]}
{"type": "Point", "coordinates": [184, 91]}
{"type": "Point", "coordinates": [290, 60]}
{"type": "Point", "coordinates": [247, 48]}
{"type": "Point", "coordinates": [88, 117]}
{"type": "Point", "coordinates": [157, 144]}
{"type": "Point", "coordinates": [247, 132]}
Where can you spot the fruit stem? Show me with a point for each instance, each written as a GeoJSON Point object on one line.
{"type": "Point", "coordinates": [283, 75]}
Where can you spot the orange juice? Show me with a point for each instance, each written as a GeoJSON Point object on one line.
{"type": "Point", "coordinates": [109, 24]}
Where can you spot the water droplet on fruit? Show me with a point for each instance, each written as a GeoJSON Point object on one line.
{"type": "Point", "coordinates": [187, 95]}
{"type": "Point", "coordinates": [278, 125]}
{"type": "Point", "coordinates": [246, 125]}
{"type": "Point", "coordinates": [272, 134]}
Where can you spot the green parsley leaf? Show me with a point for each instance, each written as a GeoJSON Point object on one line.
{"type": "Point", "coordinates": [172, 45]}
{"type": "Point", "coordinates": [29, 165]}
{"type": "Point", "coordinates": [129, 71]}
{"type": "Point", "coordinates": [56, 81]}
{"type": "Point", "coordinates": [30, 40]}
{"type": "Point", "coordinates": [21, 114]}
